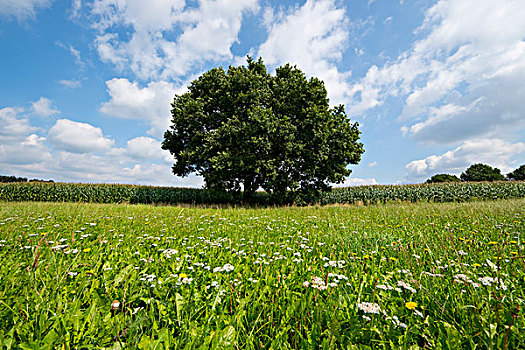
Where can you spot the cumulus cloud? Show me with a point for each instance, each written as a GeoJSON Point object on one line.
{"type": "Point", "coordinates": [313, 36]}
{"type": "Point", "coordinates": [22, 9]}
{"type": "Point", "coordinates": [166, 39]}
{"type": "Point", "coordinates": [79, 152]}
{"type": "Point", "coordinates": [464, 79]}
{"type": "Point", "coordinates": [151, 104]}
{"type": "Point", "coordinates": [494, 152]}
{"type": "Point", "coordinates": [44, 107]}
{"type": "Point", "coordinates": [13, 125]}
{"type": "Point", "coordinates": [29, 150]}
{"type": "Point", "coordinates": [147, 148]}
{"type": "Point", "coordinates": [19, 145]}
{"type": "Point", "coordinates": [78, 137]}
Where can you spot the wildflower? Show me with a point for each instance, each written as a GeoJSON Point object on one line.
{"type": "Point", "coordinates": [396, 322]}
{"type": "Point", "coordinates": [432, 274]}
{"type": "Point", "coordinates": [406, 286]}
{"type": "Point", "coordinates": [115, 304]}
{"type": "Point", "coordinates": [411, 305]}
{"type": "Point", "coordinates": [492, 243]}
{"type": "Point", "coordinates": [306, 284]}
{"type": "Point", "coordinates": [384, 287]}
{"type": "Point", "coordinates": [369, 308]}
{"type": "Point", "coordinates": [169, 253]}
{"type": "Point", "coordinates": [87, 250]}
{"type": "Point", "coordinates": [393, 259]}
{"type": "Point", "coordinates": [225, 268]}
{"type": "Point", "coordinates": [461, 278]}
{"type": "Point", "coordinates": [486, 281]}
{"type": "Point", "coordinates": [318, 283]}
{"type": "Point", "coordinates": [183, 276]}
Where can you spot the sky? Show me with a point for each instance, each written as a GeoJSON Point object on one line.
{"type": "Point", "coordinates": [86, 85]}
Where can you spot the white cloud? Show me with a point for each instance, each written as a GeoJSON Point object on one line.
{"type": "Point", "coordinates": [314, 37]}
{"type": "Point", "coordinates": [12, 126]}
{"type": "Point", "coordinates": [79, 152]}
{"type": "Point", "coordinates": [70, 84]}
{"type": "Point", "coordinates": [44, 107]}
{"type": "Point", "coordinates": [464, 79]}
{"type": "Point", "coordinates": [372, 164]}
{"type": "Point", "coordinates": [147, 148]}
{"type": "Point", "coordinates": [354, 181]}
{"type": "Point", "coordinates": [494, 152]}
{"type": "Point", "coordinates": [151, 104]}
{"type": "Point", "coordinates": [27, 151]}
{"type": "Point", "coordinates": [167, 39]}
{"type": "Point", "coordinates": [22, 9]}
{"type": "Point", "coordinates": [78, 137]}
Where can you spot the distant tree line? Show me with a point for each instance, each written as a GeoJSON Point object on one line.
{"type": "Point", "coordinates": [481, 172]}
{"type": "Point", "coordinates": [10, 178]}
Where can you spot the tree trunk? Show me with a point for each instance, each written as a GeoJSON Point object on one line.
{"type": "Point", "coordinates": [248, 191]}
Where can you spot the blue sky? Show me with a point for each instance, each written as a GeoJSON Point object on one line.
{"type": "Point", "coordinates": [86, 85]}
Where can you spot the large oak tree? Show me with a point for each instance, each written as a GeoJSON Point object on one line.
{"type": "Point", "coordinates": [246, 129]}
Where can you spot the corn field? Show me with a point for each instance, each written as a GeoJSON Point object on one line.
{"type": "Point", "coordinates": [110, 193]}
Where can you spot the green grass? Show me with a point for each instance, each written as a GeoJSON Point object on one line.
{"type": "Point", "coordinates": [63, 265]}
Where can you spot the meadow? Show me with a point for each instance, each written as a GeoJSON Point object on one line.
{"type": "Point", "coordinates": [426, 275]}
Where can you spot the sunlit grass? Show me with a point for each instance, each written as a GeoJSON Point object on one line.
{"type": "Point", "coordinates": [435, 275]}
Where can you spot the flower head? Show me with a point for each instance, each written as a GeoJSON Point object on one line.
{"type": "Point", "coordinates": [411, 305]}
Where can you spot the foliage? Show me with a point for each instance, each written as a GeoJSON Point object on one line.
{"type": "Point", "coordinates": [482, 172]}
{"type": "Point", "coordinates": [246, 128]}
{"type": "Point", "coordinates": [437, 276]}
{"type": "Point", "coordinates": [4, 178]}
{"type": "Point", "coordinates": [109, 193]}
{"type": "Point", "coordinates": [7, 179]}
{"type": "Point", "coordinates": [443, 178]}
{"type": "Point", "coordinates": [518, 174]}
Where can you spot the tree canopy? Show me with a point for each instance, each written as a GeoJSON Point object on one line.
{"type": "Point", "coordinates": [246, 127]}
{"type": "Point", "coordinates": [443, 178]}
{"type": "Point", "coordinates": [482, 172]}
{"type": "Point", "coordinates": [518, 174]}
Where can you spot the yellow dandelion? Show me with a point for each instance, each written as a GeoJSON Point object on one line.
{"type": "Point", "coordinates": [87, 250]}
{"type": "Point", "coordinates": [393, 259]}
{"type": "Point", "coordinates": [492, 243]}
{"type": "Point", "coordinates": [513, 242]}
{"type": "Point", "coordinates": [411, 305]}
{"type": "Point", "coordinates": [514, 253]}
{"type": "Point", "coordinates": [183, 276]}
{"type": "Point", "coordinates": [366, 256]}
{"type": "Point", "coordinates": [476, 265]}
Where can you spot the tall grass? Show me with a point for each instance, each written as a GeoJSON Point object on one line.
{"type": "Point", "coordinates": [95, 276]}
